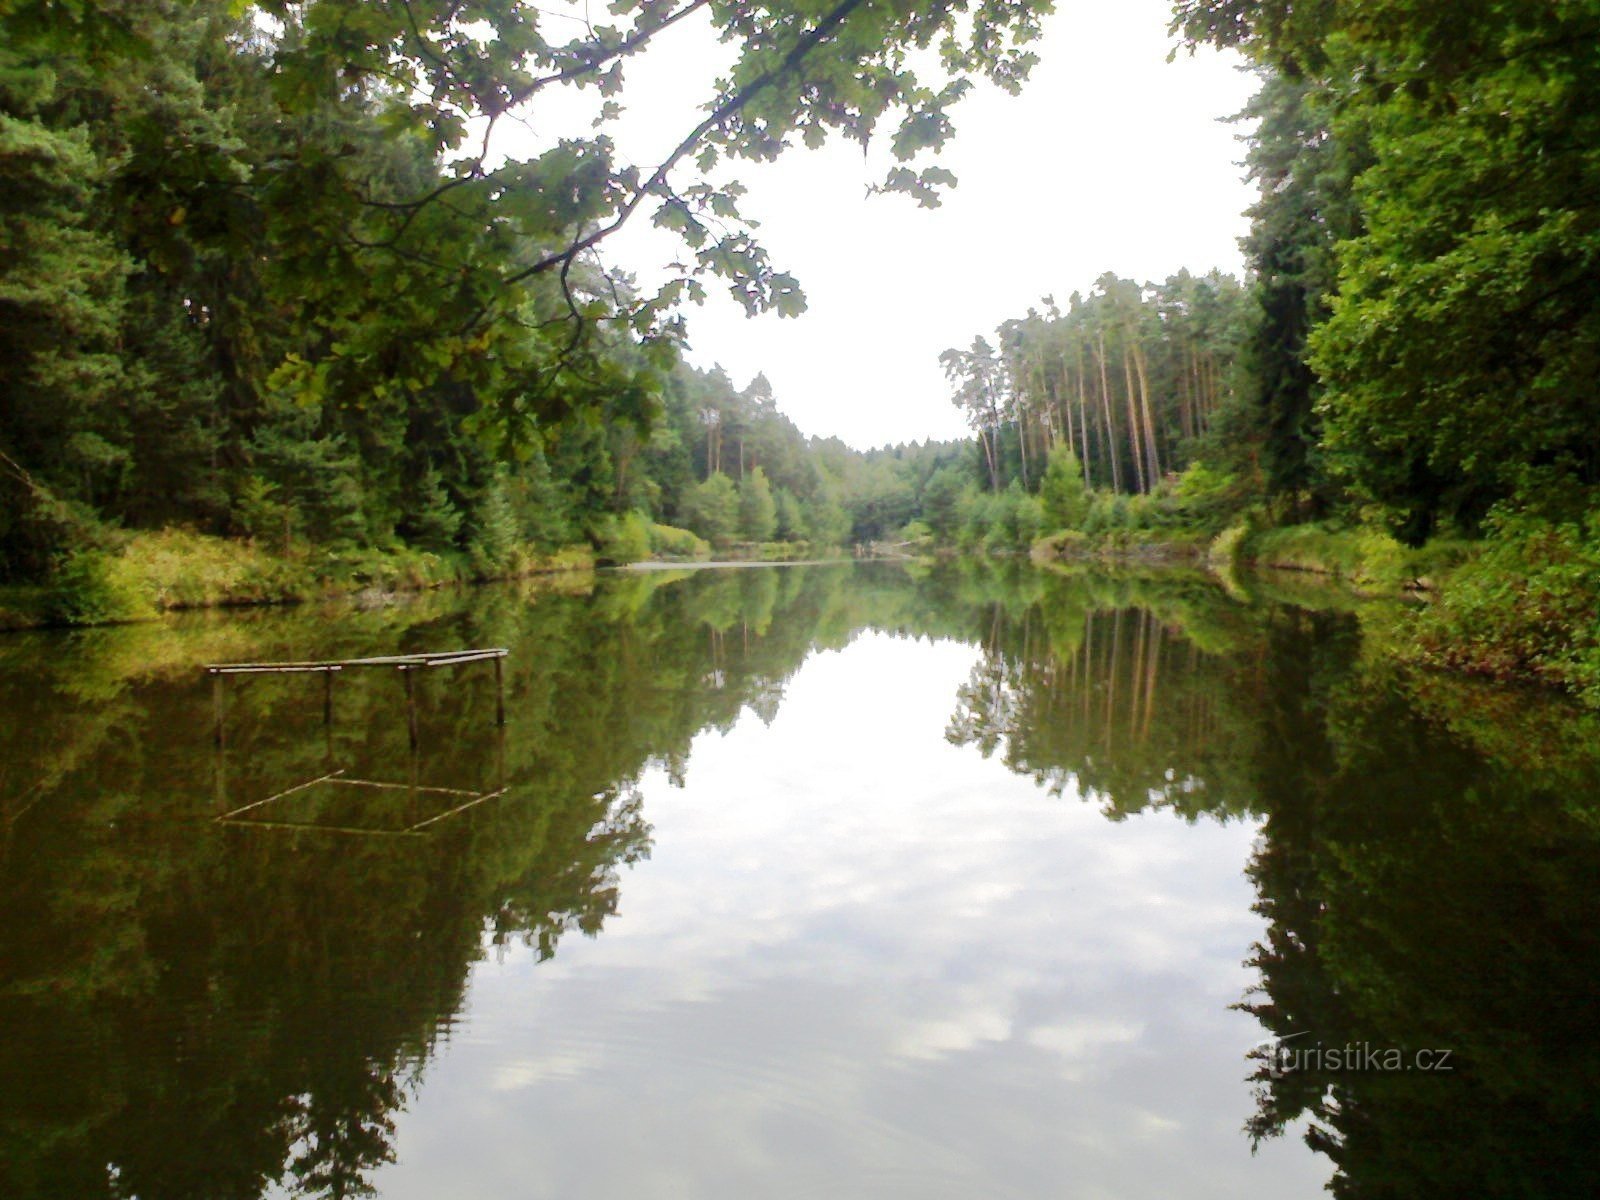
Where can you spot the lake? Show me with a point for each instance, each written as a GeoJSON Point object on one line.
{"type": "Point", "coordinates": [825, 881]}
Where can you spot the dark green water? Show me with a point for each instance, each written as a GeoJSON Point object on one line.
{"type": "Point", "coordinates": [806, 882]}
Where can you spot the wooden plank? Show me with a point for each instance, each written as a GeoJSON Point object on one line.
{"type": "Point", "coordinates": [346, 829]}
{"type": "Point", "coordinates": [471, 657]}
{"type": "Point", "coordinates": [405, 787]}
{"type": "Point", "coordinates": [439, 657]}
{"type": "Point", "coordinates": [460, 808]}
{"type": "Point", "coordinates": [299, 787]}
{"type": "Point", "coordinates": [286, 669]}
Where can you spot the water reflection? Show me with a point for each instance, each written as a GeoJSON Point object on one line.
{"type": "Point", "coordinates": [991, 991]}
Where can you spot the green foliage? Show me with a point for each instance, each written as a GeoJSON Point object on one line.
{"type": "Point", "coordinates": [494, 531]}
{"type": "Point", "coordinates": [1006, 522]}
{"type": "Point", "coordinates": [1132, 377]}
{"type": "Point", "coordinates": [1306, 204]}
{"type": "Point", "coordinates": [431, 518]}
{"type": "Point", "coordinates": [671, 543]}
{"type": "Point", "coordinates": [791, 517]}
{"type": "Point", "coordinates": [829, 523]}
{"type": "Point", "coordinates": [1463, 345]}
{"type": "Point", "coordinates": [1524, 606]}
{"type": "Point", "coordinates": [1428, 335]}
{"type": "Point", "coordinates": [91, 588]}
{"type": "Point", "coordinates": [623, 539]}
{"type": "Point", "coordinates": [711, 509]}
{"type": "Point", "coordinates": [252, 278]}
{"type": "Point", "coordinates": [941, 501]}
{"type": "Point", "coordinates": [758, 512]}
{"type": "Point", "coordinates": [1226, 551]}
{"type": "Point", "coordinates": [1208, 496]}
{"type": "Point", "coordinates": [1368, 558]}
{"type": "Point", "coordinates": [1063, 495]}
{"type": "Point", "coordinates": [153, 572]}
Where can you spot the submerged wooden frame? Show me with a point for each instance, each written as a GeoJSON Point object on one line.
{"type": "Point", "coordinates": [406, 665]}
{"type": "Point", "coordinates": [417, 829]}
{"type": "Point", "coordinates": [328, 668]}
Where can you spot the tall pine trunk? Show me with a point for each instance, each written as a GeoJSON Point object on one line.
{"type": "Point", "coordinates": [1105, 406]}
{"type": "Point", "coordinates": [1133, 420]}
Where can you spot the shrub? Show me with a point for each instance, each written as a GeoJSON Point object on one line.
{"type": "Point", "coordinates": [1227, 548]}
{"type": "Point", "coordinates": [1528, 606]}
{"type": "Point", "coordinates": [1207, 496]}
{"type": "Point", "coordinates": [623, 539]}
{"type": "Point", "coordinates": [669, 542]}
{"type": "Point", "coordinates": [1063, 544]}
{"type": "Point", "coordinates": [91, 587]}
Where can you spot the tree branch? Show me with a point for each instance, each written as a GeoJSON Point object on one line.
{"type": "Point", "coordinates": [718, 115]}
{"type": "Point", "coordinates": [621, 50]}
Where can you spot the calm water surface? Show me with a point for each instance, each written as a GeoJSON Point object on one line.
{"type": "Point", "coordinates": [804, 882]}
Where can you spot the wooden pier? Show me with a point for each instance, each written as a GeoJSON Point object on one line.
{"type": "Point", "coordinates": [406, 664]}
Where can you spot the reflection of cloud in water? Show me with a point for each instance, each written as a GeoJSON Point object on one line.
{"type": "Point", "coordinates": [865, 962]}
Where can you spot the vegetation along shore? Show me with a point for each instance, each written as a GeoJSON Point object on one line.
{"type": "Point", "coordinates": [273, 327]}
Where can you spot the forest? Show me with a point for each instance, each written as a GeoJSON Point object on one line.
{"type": "Point", "coordinates": [275, 318]}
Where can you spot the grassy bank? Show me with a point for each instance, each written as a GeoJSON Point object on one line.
{"type": "Point", "coordinates": [631, 538]}
{"type": "Point", "coordinates": [1364, 559]}
{"type": "Point", "coordinates": [1522, 604]}
{"type": "Point", "coordinates": [151, 573]}
{"type": "Point", "coordinates": [1123, 545]}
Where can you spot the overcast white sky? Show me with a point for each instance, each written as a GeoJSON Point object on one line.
{"type": "Point", "coordinates": [1111, 159]}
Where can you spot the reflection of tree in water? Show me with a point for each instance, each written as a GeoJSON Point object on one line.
{"type": "Point", "coordinates": [218, 1010]}
{"type": "Point", "coordinates": [213, 1010]}
{"type": "Point", "coordinates": [1433, 888]}
{"type": "Point", "coordinates": [1429, 859]}
{"type": "Point", "coordinates": [1114, 703]}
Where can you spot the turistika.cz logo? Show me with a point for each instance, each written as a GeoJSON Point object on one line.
{"type": "Point", "coordinates": [1286, 1055]}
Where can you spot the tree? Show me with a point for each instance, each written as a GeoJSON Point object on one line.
{"type": "Point", "coordinates": [62, 282]}
{"type": "Point", "coordinates": [798, 75]}
{"type": "Point", "coordinates": [213, 212]}
{"type": "Point", "coordinates": [791, 517]}
{"type": "Point", "coordinates": [1064, 498]}
{"type": "Point", "coordinates": [1304, 174]}
{"type": "Point", "coordinates": [711, 509]}
{"type": "Point", "coordinates": [1456, 353]}
{"type": "Point", "coordinates": [829, 523]}
{"type": "Point", "coordinates": [758, 512]}
{"type": "Point", "coordinates": [432, 517]}
{"type": "Point", "coordinates": [941, 498]}
{"type": "Point", "coordinates": [978, 377]}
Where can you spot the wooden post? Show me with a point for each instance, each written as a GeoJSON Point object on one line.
{"type": "Point", "coordinates": [217, 703]}
{"type": "Point", "coordinates": [411, 705]}
{"type": "Point", "coordinates": [219, 780]}
{"type": "Point", "coordinates": [499, 692]}
{"type": "Point", "coordinates": [500, 759]}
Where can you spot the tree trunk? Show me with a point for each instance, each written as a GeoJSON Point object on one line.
{"type": "Point", "coordinates": [1133, 420]}
{"type": "Point", "coordinates": [1083, 417]}
{"type": "Point", "coordinates": [1149, 417]}
{"type": "Point", "coordinates": [1105, 406]}
{"type": "Point", "coordinates": [988, 455]}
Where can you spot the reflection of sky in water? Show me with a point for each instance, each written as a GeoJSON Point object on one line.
{"type": "Point", "coordinates": [863, 962]}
